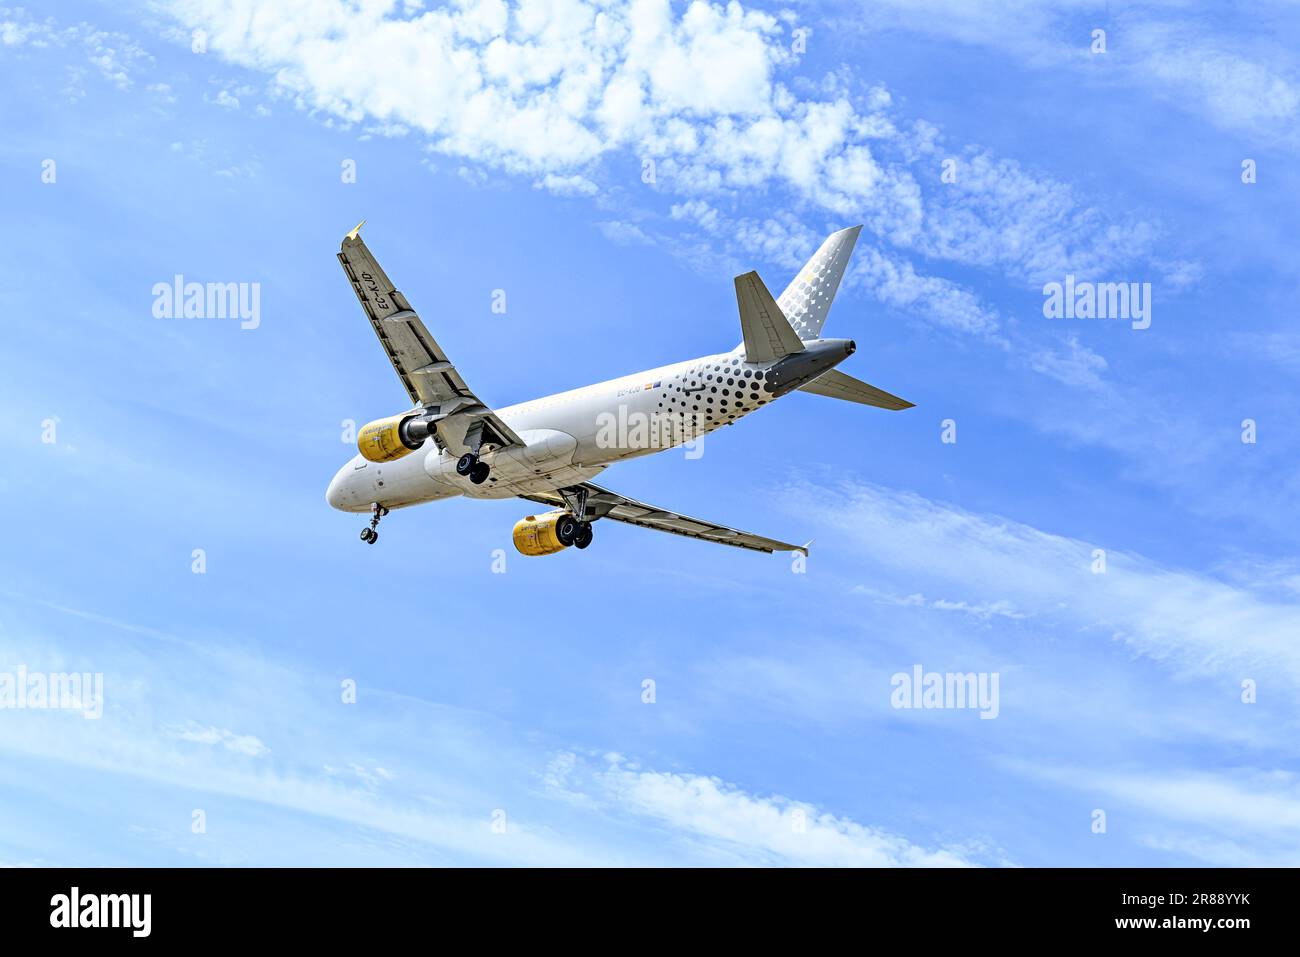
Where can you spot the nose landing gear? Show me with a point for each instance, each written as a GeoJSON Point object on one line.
{"type": "Point", "coordinates": [369, 535]}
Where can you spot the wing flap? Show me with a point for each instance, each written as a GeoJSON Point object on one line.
{"type": "Point", "coordinates": [602, 503]}
{"type": "Point", "coordinates": [427, 373]}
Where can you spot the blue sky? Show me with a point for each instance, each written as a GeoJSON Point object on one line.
{"type": "Point", "coordinates": [503, 147]}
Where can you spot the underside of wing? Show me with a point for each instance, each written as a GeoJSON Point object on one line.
{"type": "Point", "coordinates": [427, 374]}
{"type": "Point", "coordinates": [602, 503]}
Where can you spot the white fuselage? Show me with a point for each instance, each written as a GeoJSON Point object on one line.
{"type": "Point", "coordinates": [570, 437]}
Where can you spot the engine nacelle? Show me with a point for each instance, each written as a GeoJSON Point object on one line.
{"type": "Point", "coordinates": [536, 534]}
{"type": "Point", "coordinates": [386, 439]}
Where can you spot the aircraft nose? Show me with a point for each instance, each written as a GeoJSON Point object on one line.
{"type": "Point", "coordinates": [336, 494]}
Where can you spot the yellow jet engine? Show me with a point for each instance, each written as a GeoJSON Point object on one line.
{"type": "Point", "coordinates": [386, 439]}
{"type": "Point", "coordinates": [550, 533]}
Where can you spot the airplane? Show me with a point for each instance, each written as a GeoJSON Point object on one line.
{"type": "Point", "coordinates": [547, 451]}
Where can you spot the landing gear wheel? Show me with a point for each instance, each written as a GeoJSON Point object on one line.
{"type": "Point", "coordinates": [566, 529]}
{"type": "Point", "coordinates": [583, 538]}
{"type": "Point", "coordinates": [368, 534]}
{"type": "Point", "coordinates": [478, 475]}
{"type": "Point", "coordinates": [465, 464]}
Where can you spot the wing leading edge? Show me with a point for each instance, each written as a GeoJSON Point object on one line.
{"type": "Point", "coordinates": [427, 374]}
{"type": "Point", "coordinates": [602, 503]}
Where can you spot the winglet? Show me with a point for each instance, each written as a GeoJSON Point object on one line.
{"type": "Point", "coordinates": [804, 547]}
{"type": "Point", "coordinates": [356, 230]}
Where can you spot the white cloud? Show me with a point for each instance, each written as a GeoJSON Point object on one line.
{"type": "Point", "coordinates": [726, 244]}
{"type": "Point", "coordinates": [699, 212]}
{"type": "Point", "coordinates": [1079, 367]}
{"type": "Point", "coordinates": [533, 87]}
{"type": "Point", "coordinates": [729, 825]}
{"type": "Point", "coordinates": [555, 94]}
{"type": "Point", "coordinates": [226, 100]}
{"type": "Point", "coordinates": [1189, 622]}
{"type": "Point", "coordinates": [996, 214]}
{"type": "Point", "coordinates": [1244, 81]}
{"type": "Point", "coordinates": [575, 185]}
{"type": "Point", "coordinates": [368, 777]}
{"type": "Point", "coordinates": [1280, 347]}
{"type": "Point", "coordinates": [13, 33]}
{"type": "Point", "coordinates": [245, 744]}
{"type": "Point", "coordinates": [983, 611]}
{"type": "Point", "coordinates": [895, 281]}
{"type": "Point", "coordinates": [1240, 818]}
{"type": "Point", "coordinates": [1277, 576]}
{"type": "Point", "coordinates": [1236, 89]}
{"type": "Point", "coordinates": [346, 775]}
{"type": "Point", "coordinates": [163, 92]}
{"type": "Point", "coordinates": [625, 234]}
{"type": "Point", "coordinates": [445, 805]}
{"type": "Point", "coordinates": [112, 54]}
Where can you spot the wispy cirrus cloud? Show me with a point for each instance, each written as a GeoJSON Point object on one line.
{"type": "Point", "coordinates": [245, 744]}
{"type": "Point", "coordinates": [1243, 80]}
{"type": "Point", "coordinates": [981, 610]}
{"type": "Point", "coordinates": [727, 825]}
{"type": "Point", "coordinates": [1239, 817]}
{"type": "Point", "coordinates": [1188, 621]}
{"type": "Point", "coordinates": [444, 798]}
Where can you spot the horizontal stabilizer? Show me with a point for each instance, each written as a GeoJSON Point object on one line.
{"type": "Point", "coordinates": [837, 385]}
{"type": "Point", "coordinates": [768, 335]}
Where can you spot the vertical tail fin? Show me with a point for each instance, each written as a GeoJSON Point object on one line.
{"type": "Point", "coordinates": [807, 300]}
{"type": "Point", "coordinates": [767, 335]}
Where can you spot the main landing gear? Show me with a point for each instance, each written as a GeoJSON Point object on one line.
{"type": "Point", "coordinates": [573, 527]}
{"type": "Point", "coordinates": [469, 465]}
{"type": "Point", "coordinates": [369, 535]}
{"type": "Point", "coordinates": [570, 531]}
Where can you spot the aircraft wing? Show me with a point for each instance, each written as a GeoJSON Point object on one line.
{"type": "Point", "coordinates": [602, 503]}
{"type": "Point", "coordinates": [430, 378]}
